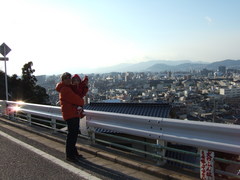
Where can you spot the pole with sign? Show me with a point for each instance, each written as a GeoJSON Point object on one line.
{"type": "Point", "coordinates": [4, 50]}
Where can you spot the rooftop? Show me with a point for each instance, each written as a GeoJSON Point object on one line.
{"type": "Point", "coordinates": [143, 109]}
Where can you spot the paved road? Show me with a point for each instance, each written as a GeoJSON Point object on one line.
{"type": "Point", "coordinates": [47, 152]}
{"type": "Point", "coordinates": [22, 158]}
{"type": "Point", "coordinates": [21, 161]}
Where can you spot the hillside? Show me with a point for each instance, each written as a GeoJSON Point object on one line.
{"type": "Point", "coordinates": [165, 65]}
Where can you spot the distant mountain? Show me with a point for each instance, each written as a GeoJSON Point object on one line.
{"type": "Point", "coordinates": [160, 67]}
{"type": "Point", "coordinates": [167, 65]}
{"type": "Point", "coordinates": [138, 67]}
{"type": "Point", "coordinates": [191, 66]}
{"type": "Point", "coordinates": [180, 67]}
{"type": "Point", "coordinates": [117, 68]}
{"type": "Point", "coordinates": [144, 65]}
{"type": "Point", "coordinates": [235, 64]}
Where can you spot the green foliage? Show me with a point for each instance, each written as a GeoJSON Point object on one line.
{"type": "Point", "coordinates": [41, 95]}
{"type": "Point", "coordinates": [28, 79]}
{"type": "Point", "coordinates": [15, 88]}
{"type": "Point", "coordinates": [2, 85]}
{"type": "Point", "coordinates": [24, 88]}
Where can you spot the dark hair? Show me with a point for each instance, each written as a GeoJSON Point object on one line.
{"type": "Point", "coordinates": [66, 75]}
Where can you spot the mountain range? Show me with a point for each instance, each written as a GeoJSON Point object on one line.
{"type": "Point", "coordinates": [165, 65]}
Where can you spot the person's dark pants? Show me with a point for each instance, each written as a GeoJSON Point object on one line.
{"type": "Point", "coordinates": [73, 129]}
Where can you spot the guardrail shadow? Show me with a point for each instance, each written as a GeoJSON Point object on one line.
{"type": "Point", "coordinates": [103, 171]}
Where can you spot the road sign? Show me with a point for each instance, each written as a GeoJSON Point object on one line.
{"type": "Point", "coordinates": [3, 59]}
{"type": "Point", "coordinates": [4, 49]}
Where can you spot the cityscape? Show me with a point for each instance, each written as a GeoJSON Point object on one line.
{"type": "Point", "coordinates": [160, 82]}
{"type": "Point", "coordinates": [204, 95]}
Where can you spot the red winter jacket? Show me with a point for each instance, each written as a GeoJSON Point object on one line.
{"type": "Point", "coordinates": [82, 88]}
{"type": "Point", "coordinates": [69, 101]}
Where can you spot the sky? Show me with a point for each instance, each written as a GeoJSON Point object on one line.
{"type": "Point", "coordinates": [80, 35]}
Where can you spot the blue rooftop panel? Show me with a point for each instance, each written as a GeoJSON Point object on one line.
{"type": "Point", "coordinates": [143, 109]}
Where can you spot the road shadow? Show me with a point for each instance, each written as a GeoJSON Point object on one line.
{"type": "Point", "coordinates": [107, 173]}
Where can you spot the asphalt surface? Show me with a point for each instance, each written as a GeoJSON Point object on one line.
{"type": "Point", "coordinates": [17, 162]}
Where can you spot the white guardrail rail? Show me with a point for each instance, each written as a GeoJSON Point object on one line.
{"type": "Point", "coordinates": [204, 135]}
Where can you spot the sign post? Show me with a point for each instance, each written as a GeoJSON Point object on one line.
{"type": "Point", "coordinates": [4, 50]}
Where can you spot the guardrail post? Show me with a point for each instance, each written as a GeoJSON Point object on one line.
{"type": "Point", "coordinates": [29, 119]}
{"type": "Point", "coordinates": [3, 106]}
{"type": "Point", "coordinates": [53, 123]}
{"type": "Point", "coordinates": [11, 116]}
{"type": "Point", "coordinates": [91, 132]}
{"type": "Point", "coordinates": [161, 152]}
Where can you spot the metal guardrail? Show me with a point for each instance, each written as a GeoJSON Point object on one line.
{"type": "Point", "coordinates": [203, 135]}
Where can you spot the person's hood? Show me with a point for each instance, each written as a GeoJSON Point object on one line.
{"type": "Point", "coordinates": [76, 76]}
{"type": "Point", "coordinates": [59, 86]}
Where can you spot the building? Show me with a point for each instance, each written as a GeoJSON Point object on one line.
{"type": "Point", "coordinates": [222, 69]}
{"type": "Point", "coordinates": [230, 92]}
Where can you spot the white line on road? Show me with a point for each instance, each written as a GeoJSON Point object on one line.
{"type": "Point", "coordinates": [53, 159]}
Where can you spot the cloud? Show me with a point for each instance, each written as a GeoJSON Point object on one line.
{"type": "Point", "coordinates": [208, 19]}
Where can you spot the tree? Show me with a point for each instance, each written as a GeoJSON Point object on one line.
{"type": "Point", "coordinates": [15, 88]}
{"type": "Point", "coordinates": [41, 94]}
{"type": "Point", "coordinates": [24, 88]}
{"type": "Point", "coordinates": [28, 82]}
{"type": "Point", "coordinates": [2, 85]}
{"type": "Point", "coordinates": [32, 92]}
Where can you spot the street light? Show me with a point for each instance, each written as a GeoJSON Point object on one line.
{"type": "Point", "coordinates": [4, 50]}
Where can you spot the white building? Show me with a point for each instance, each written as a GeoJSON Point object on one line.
{"type": "Point", "coordinates": [230, 92]}
{"type": "Point", "coordinates": [95, 91]}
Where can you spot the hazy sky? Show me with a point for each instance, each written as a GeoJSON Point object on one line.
{"type": "Point", "coordinates": [76, 35]}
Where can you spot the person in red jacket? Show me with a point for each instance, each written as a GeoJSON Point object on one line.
{"type": "Point", "coordinates": [69, 102]}
{"type": "Point", "coordinates": [80, 87]}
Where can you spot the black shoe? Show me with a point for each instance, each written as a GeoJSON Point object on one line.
{"type": "Point", "coordinates": [79, 157]}
{"type": "Point", "coordinates": [72, 159]}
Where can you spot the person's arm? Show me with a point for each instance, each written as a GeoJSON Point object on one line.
{"type": "Point", "coordinates": [69, 96]}
{"type": "Point", "coordinates": [85, 90]}
{"type": "Point", "coordinates": [84, 84]}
